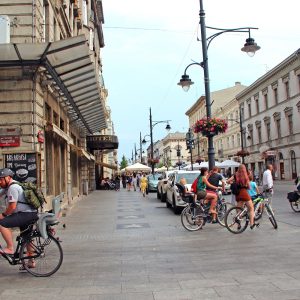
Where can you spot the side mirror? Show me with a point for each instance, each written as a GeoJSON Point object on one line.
{"type": "Point", "coordinates": [159, 178]}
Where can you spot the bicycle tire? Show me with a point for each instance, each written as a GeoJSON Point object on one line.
{"type": "Point", "coordinates": [189, 222]}
{"type": "Point", "coordinates": [295, 206]}
{"type": "Point", "coordinates": [271, 216]}
{"type": "Point", "coordinates": [47, 255]}
{"type": "Point", "coordinates": [231, 220]}
{"type": "Point", "coordinates": [222, 209]}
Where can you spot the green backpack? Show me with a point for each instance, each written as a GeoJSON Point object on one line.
{"type": "Point", "coordinates": [33, 196]}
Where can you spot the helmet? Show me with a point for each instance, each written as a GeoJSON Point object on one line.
{"type": "Point", "coordinates": [6, 172]}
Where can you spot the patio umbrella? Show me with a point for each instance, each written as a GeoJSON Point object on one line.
{"type": "Point", "coordinates": [138, 167]}
{"type": "Point", "coordinates": [229, 164]}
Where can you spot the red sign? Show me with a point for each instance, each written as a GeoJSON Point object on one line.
{"type": "Point", "coordinates": [9, 141]}
{"type": "Point", "coordinates": [40, 136]}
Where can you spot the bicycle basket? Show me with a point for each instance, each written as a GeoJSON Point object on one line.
{"type": "Point", "coordinates": [293, 196]}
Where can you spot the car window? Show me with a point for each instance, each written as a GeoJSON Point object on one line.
{"type": "Point", "coordinates": [189, 177]}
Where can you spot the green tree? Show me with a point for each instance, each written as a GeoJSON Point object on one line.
{"type": "Point", "coordinates": [124, 162]}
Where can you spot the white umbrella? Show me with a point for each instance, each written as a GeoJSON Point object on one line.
{"type": "Point", "coordinates": [204, 164]}
{"type": "Point", "coordinates": [138, 167]}
{"type": "Point", "coordinates": [229, 164]}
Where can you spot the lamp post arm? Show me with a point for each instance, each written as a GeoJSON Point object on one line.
{"type": "Point", "coordinates": [241, 29]}
{"type": "Point", "coordinates": [194, 63]}
{"type": "Point", "coordinates": [158, 122]}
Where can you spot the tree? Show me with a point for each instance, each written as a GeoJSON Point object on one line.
{"type": "Point", "coordinates": [123, 163]}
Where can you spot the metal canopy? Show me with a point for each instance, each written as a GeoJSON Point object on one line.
{"type": "Point", "coordinates": [68, 63]}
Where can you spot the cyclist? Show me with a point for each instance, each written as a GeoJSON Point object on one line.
{"type": "Point", "coordinates": [253, 191]}
{"type": "Point", "coordinates": [243, 198]}
{"type": "Point", "coordinates": [17, 214]}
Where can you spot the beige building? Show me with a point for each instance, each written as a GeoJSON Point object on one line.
{"type": "Point", "coordinates": [270, 110]}
{"type": "Point", "coordinates": [224, 106]}
{"type": "Point", "coordinates": [53, 102]}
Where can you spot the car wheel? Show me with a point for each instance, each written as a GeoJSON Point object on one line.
{"type": "Point", "coordinates": [168, 205]}
{"type": "Point", "coordinates": [176, 209]}
{"type": "Point", "coordinates": [158, 196]}
{"type": "Point", "coordinates": [163, 196]}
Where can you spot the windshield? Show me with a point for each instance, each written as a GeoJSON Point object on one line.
{"type": "Point", "coordinates": [189, 177]}
{"type": "Point", "coordinates": [154, 176]}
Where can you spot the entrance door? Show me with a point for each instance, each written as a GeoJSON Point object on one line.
{"type": "Point", "coordinates": [281, 167]}
{"type": "Point", "coordinates": [294, 165]}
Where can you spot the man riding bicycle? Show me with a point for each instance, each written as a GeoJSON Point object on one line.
{"type": "Point", "coordinates": [17, 212]}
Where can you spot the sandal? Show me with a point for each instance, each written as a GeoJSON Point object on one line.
{"type": "Point", "coordinates": [30, 265]}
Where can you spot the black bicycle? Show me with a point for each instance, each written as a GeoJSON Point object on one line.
{"type": "Point", "coordinates": [38, 251]}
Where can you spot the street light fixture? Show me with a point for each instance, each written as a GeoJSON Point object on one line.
{"type": "Point", "coordinates": [250, 47]}
{"type": "Point", "coordinates": [190, 144]}
{"type": "Point", "coordinates": [152, 124]}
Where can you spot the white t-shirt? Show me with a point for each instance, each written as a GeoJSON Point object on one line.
{"type": "Point", "coordinates": [267, 179]}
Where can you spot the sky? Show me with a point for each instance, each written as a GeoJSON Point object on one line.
{"type": "Point", "coordinates": [148, 44]}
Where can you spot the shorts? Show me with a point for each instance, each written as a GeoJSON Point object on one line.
{"type": "Point", "coordinates": [201, 194]}
{"type": "Point", "coordinates": [211, 192]}
{"type": "Point", "coordinates": [20, 219]}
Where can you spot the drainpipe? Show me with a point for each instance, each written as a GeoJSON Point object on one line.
{"type": "Point", "coordinates": [33, 20]}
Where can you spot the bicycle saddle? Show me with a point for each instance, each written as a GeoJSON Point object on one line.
{"type": "Point", "coordinates": [44, 220]}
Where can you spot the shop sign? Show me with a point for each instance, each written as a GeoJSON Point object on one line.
{"type": "Point", "coordinates": [270, 153]}
{"type": "Point", "coordinates": [10, 137]}
{"type": "Point", "coordinates": [40, 137]}
{"type": "Point", "coordinates": [23, 164]}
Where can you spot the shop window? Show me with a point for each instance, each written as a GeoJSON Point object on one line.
{"type": "Point", "coordinates": [48, 113]}
{"type": "Point", "coordinates": [55, 119]}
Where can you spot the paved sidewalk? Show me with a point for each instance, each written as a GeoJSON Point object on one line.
{"type": "Point", "coordinates": [121, 246]}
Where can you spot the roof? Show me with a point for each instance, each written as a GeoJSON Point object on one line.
{"type": "Point", "coordinates": [68, 63]}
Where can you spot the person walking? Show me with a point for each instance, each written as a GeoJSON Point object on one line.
{"type": "Point", "coordinates": [129, 182]}
{"type": "Point", "coordinates": [134, 181]}
{"type": "Point", "coordinates": [143, 184]}
{"type": "Point", "coordinates": [123, 178]}
{"type": "Point", "coordinates": [268, 182]}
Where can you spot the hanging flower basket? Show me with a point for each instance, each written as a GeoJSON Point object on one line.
{"type": "Point", "coordinates": [210, 126]}
{"type": "Point", "coordinates": [153, 161]}
{"type": "Point", "coordinates": [199, 160]}
{"type": "Point", "coordinates": [243, 153]}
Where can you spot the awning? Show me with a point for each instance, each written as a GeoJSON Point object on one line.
{"type": "Point", "coordinates": [68, 64]}
{"type": "Point", "coordinates": [102, 142]}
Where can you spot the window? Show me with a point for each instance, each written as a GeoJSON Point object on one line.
{"type": "Point", "coordinates": [257, 105]}
{"type": "Point", "coordinates": [232, 141]}
{"type": "Point", "coordinates": [259, 134]}
{"type": "Point", "coordinates": [287, 89]}
{"type": "Point", "coordinates": [239, 139]}
{"type": "Point", "coordinates": [278, 127]}
{"type": "Point", "coordinates": [266, 101]}
{"type": "Point", "coordinates": [251, 136]}
{"type": "Point", "coordinates": [298, 76]}
{"type": "Point", "coordinates": [242, 113]}
{"type": "Point", "coordinates": [55, 119]}
{"type": "Point", "coordinates": [275, 91]}
{"type": "Point", "coordinates": [48, 113]}
{"type": "Point", "coordinates": [249, 109]}
{"type": "Point", "coordinates": [290, 123]}
{"type": "Point", "coordinates": [268, 129]}
{"type": "Point", "coordinates": [228, 142]}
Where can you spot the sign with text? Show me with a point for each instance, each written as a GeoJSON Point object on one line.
{"type": "Point", "coordinates": [24, 165]}
{"type": "Point", "coordinates": [10, 137]}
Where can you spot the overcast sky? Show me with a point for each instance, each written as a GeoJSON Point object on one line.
{"type": "Point", "coordinates": [148, 44]}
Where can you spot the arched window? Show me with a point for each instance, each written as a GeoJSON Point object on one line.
{"type": "Point", "coordinates": [280, 156]}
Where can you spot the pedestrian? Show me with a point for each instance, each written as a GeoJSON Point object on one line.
{"type": "Point", "coordinates": [297, 183]}
{"type": "Point", "coordinates": [129, 182]}
{"type": "Point", "coordinates": [268, 182]}
{"type": "Point", "coordinates": [243, 198]}
{"type": "Point", "coordinates": [117, 181]}
{"type": "Point", "coordinates": [253, 191]}
{"type": "Point", "coordinates": [144, 184]}
{"type": "Point", "coordinates": [123, 177]}
{"type": "Point", "coordinates": [17, 212]}
{"type": "Point", "coordinates": [134, 181]}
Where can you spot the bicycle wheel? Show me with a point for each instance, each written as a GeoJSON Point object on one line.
{"type": "Point", "coordinates": [236, 219]}
{"type": "Point", "coordinates": [222, 209]}
{"type": "Point", "coordinates": [47, 255]}
{"type": "Point", "coordinates": [191, 221]}
{"type": "Point", "coordinates": [271, 216]}
{"type": "Point", "coordinates": [295, 206]}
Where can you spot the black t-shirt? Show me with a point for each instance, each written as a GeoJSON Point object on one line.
{"type": "Point", "coordinates": [214, 180]}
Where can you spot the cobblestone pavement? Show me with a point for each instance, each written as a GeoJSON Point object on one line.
{"type": "Point", "coordinates": [119, 245]}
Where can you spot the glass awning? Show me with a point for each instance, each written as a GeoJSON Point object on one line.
{"type": "Point", "coordinates": [68, 63]}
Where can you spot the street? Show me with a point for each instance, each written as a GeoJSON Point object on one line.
{"type": "Point", "coordinates": [119, 245]}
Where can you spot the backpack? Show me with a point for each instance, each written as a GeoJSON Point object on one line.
{"type": "Point", "coordinates": [33, 196]}
{"type": "Point", "coordinates": [235, 188]}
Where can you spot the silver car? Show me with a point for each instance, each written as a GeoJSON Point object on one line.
{"type": "Point", "coordinates": [173, 198]}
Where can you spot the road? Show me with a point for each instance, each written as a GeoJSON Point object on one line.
{"type": "Point", "coordinates": [119, 245]}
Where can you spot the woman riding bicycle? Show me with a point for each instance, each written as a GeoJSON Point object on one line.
{"type": "Point", "coordinates": [204, 190]}
{"type": "Point", "coordinates": [243, 198]}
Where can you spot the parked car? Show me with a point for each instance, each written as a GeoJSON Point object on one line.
{"type": "Point", "coordinates": [173, 198]}
{"type": "Point", "coordinates": [152, 182]}
{"type": "Point", "coordinates": [162, 185]}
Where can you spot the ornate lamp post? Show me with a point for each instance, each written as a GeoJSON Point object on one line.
{"type": "Point", "coordinates": [190, 144]}
{"type": "Point", "coordinates": [250, 47]}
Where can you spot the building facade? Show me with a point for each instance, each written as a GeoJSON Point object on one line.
{"type": "Point", "coordinates": [270, 109]}
{"type": "Point", "coordinates": [51, 94]}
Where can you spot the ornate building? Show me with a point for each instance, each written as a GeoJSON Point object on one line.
{"type": "Point", "coordinates": [270, 109]}
{"type": "Point", "coordinates": [53, 101]}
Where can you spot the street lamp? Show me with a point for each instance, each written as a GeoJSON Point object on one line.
{"type": "Point", "coordinates": [190, 144]}
{"type": "Point", "coordinates": [250, 47]}
{"type": "Point", "coordinates": [152, 124]}
{"type": "Point", "coordinates": [178, 152]}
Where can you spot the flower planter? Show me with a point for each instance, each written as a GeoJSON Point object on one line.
{"type": "Point", "coordinates": [210, 127]}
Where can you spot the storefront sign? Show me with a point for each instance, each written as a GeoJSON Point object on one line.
{"type": "Point", "coordinates": [10, 137]}
{"type": "Point", "coordinates": [40, 137]}
{"type": "Point", "coordinates": [24, 165]}
{"type": "Point", "coordinates": [270, 153]}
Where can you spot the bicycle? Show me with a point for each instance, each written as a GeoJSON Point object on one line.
{"type": "Point", "coordinates": [237, 218]}
{"type": "Point", "coordinates": [294, 199]}
{"type": "Point", "coordinates": [38, 251]}
{"type": "Point", "coordinates": [196, 214]}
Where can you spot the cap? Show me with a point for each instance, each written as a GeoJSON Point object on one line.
{"type": "Point", "coordinates": [6, 172]}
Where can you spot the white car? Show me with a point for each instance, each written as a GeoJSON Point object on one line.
{"type": "Point", "coordinates": [173, 198]}
{"type": "Point", "coordinates": [162, 185]}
